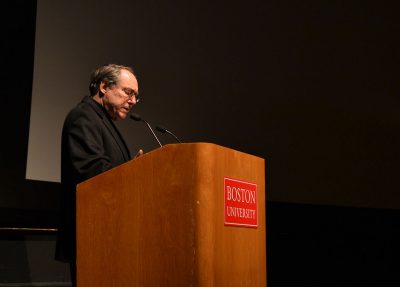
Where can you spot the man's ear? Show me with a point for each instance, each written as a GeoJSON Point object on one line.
{"type": "Point", "coordinates": [102, 88]}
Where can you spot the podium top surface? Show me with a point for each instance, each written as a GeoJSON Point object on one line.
{"type": "Point", "coordinates": [198, 145]}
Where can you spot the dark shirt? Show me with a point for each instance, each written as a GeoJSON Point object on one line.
{"type": "Point", "coordinates": [90, 145]}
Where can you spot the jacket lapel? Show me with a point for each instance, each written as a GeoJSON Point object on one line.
{"type": "Point", "coordinates": [110, 126]}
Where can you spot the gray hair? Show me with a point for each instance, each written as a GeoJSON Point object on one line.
{"type": "Point", "coordinates": [109, 74]}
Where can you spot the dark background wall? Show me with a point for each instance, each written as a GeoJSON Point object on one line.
{"type": "Point", "coordinates": [308, 85]}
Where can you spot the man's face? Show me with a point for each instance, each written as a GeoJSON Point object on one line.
{"type": "Point", "coordinates": [119, 99]}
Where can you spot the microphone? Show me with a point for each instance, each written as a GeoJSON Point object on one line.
{"type": "Point", "coordinates": [163, 130]}
{"type": "Point", "coordinates": [136, 117]}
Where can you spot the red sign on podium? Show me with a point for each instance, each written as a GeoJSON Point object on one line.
{"type": "Point", "coordinates": [240, 203]}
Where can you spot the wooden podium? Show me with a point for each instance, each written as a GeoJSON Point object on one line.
{"type": "Point", "coordinates": [160, 220]}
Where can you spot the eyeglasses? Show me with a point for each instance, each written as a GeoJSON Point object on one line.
{"type": "Point", "coordinates": [130, 93]}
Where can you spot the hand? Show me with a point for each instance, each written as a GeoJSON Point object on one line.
{"type": "Point", "coordinates": [139, 153]}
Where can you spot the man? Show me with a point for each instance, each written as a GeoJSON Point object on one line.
{"type": "Point", "coordinates": [92, 144]}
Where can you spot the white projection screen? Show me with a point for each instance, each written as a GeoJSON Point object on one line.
{"type": "Point", "coordinates": [257, 77]}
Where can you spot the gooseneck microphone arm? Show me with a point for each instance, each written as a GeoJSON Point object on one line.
{"type": "Point", "coordinates": [163, 130]}
{"type": "Point", "coordinates": [136, 117]}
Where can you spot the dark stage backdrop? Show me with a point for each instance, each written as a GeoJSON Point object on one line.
{"type": "Point", "coordinates": [311, 86]}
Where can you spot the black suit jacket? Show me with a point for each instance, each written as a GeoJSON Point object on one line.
{"type": "Point", "coordinates": [91, 144]}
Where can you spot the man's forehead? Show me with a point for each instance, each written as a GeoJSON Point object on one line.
{"type": "Point", "coordinates": [127, 74]}
{"type": "Point", "coordinates": [128, 78]}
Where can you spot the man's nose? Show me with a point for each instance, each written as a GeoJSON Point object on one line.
{"type": "Point", "coordinates": [132, 100]}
